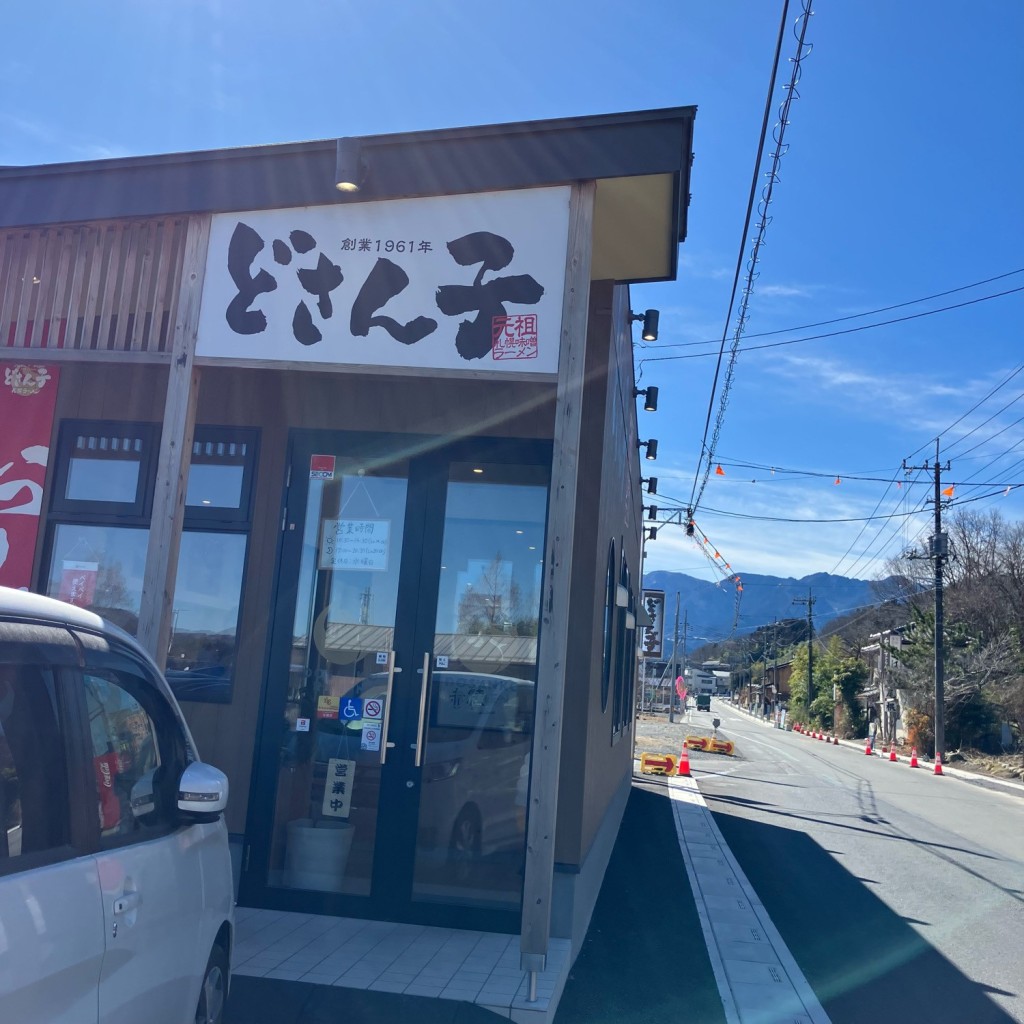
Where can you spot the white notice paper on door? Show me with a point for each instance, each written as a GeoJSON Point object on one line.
{"type": "Point", "coordinates": [355, 544]}
{"type": "Point", "coordinates": [338, 788]}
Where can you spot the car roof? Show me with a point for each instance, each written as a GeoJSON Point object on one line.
{"type": "Point", "coordinates": [22, 604]}
{"type": "Point", "coordinates": [28, 607]}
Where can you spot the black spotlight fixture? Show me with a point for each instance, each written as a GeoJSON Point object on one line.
{"type": "Point", "coordinates": [652, 511]}
{"type": "Point", "coordinates": [651, 533]}
{"type": "Point", "coordinates": [349, 166]}
{"type": "Point", "coordinates": [650, 397]}
{"type": "Point", "coordinates": [652, 448]}
{"type": "Point", "coordinates": [650, 322]}
{"type": "Point", "coordinates": [652, 483]}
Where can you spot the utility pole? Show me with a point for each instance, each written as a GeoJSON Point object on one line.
{"type": "Point", "coordinates": [809, 601]}
{"type": "Point", "coordinates": [938, 550]}
{"type": "Point", "coordinates": [775, 669]}
{"type": "Point", "coordinates": [683, 672]}
{"type": "Point", "coordinates": [675, 661]}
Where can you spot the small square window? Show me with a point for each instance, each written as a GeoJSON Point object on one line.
{"type": "Point", "coordinates": [220, 474]}
{"type": "Point", "coordinates": [105, 468]}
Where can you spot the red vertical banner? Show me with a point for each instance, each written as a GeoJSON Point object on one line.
{"type": "Point", "coordinates": [28, 397]}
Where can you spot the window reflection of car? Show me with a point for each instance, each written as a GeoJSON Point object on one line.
{"type": "Point", "coordinates": [206, 683]}
{"type": "Point", "coordinates": [476, 765]}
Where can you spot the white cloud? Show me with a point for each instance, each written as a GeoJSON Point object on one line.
{"type": "Point", "coordinates": [785, 291]}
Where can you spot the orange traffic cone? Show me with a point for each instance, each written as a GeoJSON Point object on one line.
{"type": "Point", "coordinates": [835, 741]}
{"type": "Point", "coordinates": [821, 735]}
{"type": "Point", "coordinates": [684, 763]}
{"type": "Point", "coordinates": [938, 763]}
{"type": "Point", "coordinates": [867, 749]}
{"type": "Point", "coordinates": [892, 753]}
{"type": "Point", "coordinates": [913, 758]}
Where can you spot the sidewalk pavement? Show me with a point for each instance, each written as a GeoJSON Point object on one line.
{"type": "Point", "coordinates": [644, 960]}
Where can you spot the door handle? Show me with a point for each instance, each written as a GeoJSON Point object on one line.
{"type": "Point", "coordinates": [127, 901]}
{"type": "Point", "coordinates": [424, 691]}
{"type": "Point", "coordinates": [387, 708]}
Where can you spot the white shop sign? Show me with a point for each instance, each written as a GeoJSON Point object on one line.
{"type": "Point", "coordinates": [471, 282]}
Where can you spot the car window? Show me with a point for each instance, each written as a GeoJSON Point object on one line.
{"type": "Point", "coordinates": [34, 806]}
{"type": "Point", "coordinates": [137, 755]}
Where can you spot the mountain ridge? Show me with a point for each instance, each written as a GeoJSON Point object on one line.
{"type": "Point", "coordinates": [712, 612]}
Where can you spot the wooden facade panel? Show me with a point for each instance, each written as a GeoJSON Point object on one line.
{"type": "Point", "coordinates": [28, 277]}
{"type": "Point", "coordinates": [594, 761]}
{"type": "Point", "coordinates": [105, 287]}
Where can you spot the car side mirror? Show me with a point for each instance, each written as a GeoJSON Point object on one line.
{"type": "Point", "coordinates": [202, 792]}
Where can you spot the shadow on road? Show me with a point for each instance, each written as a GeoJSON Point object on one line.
{"type": "Point", "coordinates": [863, 961]}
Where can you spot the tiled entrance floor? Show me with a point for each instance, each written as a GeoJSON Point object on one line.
{"type": "Point", "coordinates": [443, 963]}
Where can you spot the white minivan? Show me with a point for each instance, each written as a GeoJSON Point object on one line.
{"type": "Point", "coordinates": [116, 896]}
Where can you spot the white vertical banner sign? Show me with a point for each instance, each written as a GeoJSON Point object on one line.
{"type": "Point", "coordinates": [468, 282]}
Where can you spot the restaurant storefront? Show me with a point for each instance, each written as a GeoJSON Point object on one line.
{"type": "Point", "coordinates": [361, 469]}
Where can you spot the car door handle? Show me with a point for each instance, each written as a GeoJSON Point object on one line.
{"type": "Point", "coordinates": [127, 901]}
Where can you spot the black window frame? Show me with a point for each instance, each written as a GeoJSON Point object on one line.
{"type": "Point", "coordinates": [608, 631]}
{"type": "Point", "coordinates": [619, 712]}
{"type": "Point", "coordinates": [77, 509]}
{"type": "Point", "coordinates": [100, 656]}
{"type": "Point", "coordinates": [64, 511]}
{"type": "Point", "coordinates": [198, 517]}
{"type": "Point", "coordinates": [52, 649]}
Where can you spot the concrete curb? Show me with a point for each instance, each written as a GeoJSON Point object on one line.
{"type": "Point", "coordinates": [985, 781]}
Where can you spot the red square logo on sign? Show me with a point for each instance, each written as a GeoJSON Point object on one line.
{"type": "Point", "coordinates": [514, 337]}
{"type": "Point", "coordinates": [321, 467]}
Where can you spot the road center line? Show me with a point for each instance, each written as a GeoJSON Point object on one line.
{"type": "Point", "coordinates": [757, 977]}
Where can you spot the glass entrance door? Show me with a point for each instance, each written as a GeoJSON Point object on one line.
{"type": "Point", "coordinates": [398, 719]}
{"type": "Point", "coordinates": [479, 699]}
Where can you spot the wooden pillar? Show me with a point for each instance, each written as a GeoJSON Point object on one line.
{"type": "Point", "coordinates": [538, 879]}
{"type": "Point", "coordinates": [175, 451]}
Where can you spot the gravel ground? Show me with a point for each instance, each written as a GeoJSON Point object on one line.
{"type": "Point", "coordinates": [656, 735]}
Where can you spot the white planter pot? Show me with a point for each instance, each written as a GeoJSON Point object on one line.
{"type": "Point", "coordinates": [316, 854]}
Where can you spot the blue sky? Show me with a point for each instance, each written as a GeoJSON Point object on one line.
{"type": "Point", "coordinates": [903, 179]}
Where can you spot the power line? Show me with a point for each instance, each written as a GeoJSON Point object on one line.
{"type": "Point", "coordinates": [849, 330]}
{"type": "Point", "coordinates": [787, 519]}
{"type": "Point", "coordinates": [1002, 384]}
{"type": "Point", "coordinates": [746, 226]}
{"type": "Point", "coordinates": [852, 316]}
{"type": "Point", "coordinates": [990, 439]}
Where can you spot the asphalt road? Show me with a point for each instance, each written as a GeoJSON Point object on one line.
{"type": "Point", "coordinates": [900, 894]}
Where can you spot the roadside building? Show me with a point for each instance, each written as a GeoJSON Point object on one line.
{"type": "Point", "coordinates": [346, 433]}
